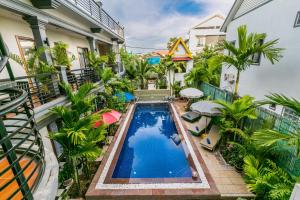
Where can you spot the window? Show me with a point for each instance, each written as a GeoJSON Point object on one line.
{"type": "Point", "coordinates": [256, 57]}
{"type": "Point", "coordinates": [26, 47]}
{"type": "Point", "coordinates": [82, 52]}
{"type": "Point", "coordinates": [201, 41]}
{"type": "Point", "coordinates": [272, 106]}
{"type": "Point", "coordinates": [297, 21]}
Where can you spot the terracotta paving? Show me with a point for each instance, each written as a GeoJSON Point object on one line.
{"type": "Point", "coordinates": [228, 181]}
{"type": "Point", "coordinates": [8, 176]}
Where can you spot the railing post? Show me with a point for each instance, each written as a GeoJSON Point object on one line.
{"type": "Point", "coordinates": [12, 160]}
{"type": "Point", "coordinates": [90, 4]}
{"type": "Point", "coordinates": [63, 74]}
{"type": "Point", "coordinates": [55, 82]}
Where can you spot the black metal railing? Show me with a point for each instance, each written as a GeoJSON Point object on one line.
{"type": "Point", "coordinates": [21, 148]}
{"type": "Point", "coordinates": [41, 88]}
{"type": "Point", "coordinates": [78, 77]}
{"type": "Point", "coordinates": [94, 10]}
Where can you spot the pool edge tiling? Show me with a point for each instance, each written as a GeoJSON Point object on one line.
{"type": "Point", "coordinates": [100, 188]}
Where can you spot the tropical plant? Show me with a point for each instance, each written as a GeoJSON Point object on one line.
{"type": "Point", "coordinates": [33, 64]}
{"type": "Point", "coordinates": [142, 70]}
{"type": "Point", "coordinates": [127, 58]}
{"type": "Point", "coordinates": [236, 112]}
{"type": "Point", "coordinates": [176, 87]}
{"type": "Point", "coordinates": [206, 68]}
{"type": "Point", "coordinates": [106, 74]}
{"type": "Point", "coordinates": [131, 73]}
{"type": "Point", "coordinates": [160, 70]}
{"type": "Point", "coordinates": [60, 54]}
{"type": "Point", "coordinates": [170, 66]}
{"type": "Point", "coordinates": [271, 138]}
{"type": "Point", "coordinates": [267, 180]}
{"type": "Point", "coordinates": [111, 58]}
{"type": "Point", "coordinates": [77, 136]}
{"type": "Point", "coordinates": [95, 61]}
{"type": "Point", "coordinates": [285, 101]}
{"type": "Point", "coordinates": [249, 45]}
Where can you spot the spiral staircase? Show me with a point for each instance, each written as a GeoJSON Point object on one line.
{"type": "Point", "coordinates": [21, 148]}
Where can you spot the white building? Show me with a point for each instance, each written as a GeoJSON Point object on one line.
{"type": "Point", "coordinates": [278, 19]}
{"type": "Point", "coordinates": [206, 33]}
{"type": "Point", "coordinates": [26, 25]}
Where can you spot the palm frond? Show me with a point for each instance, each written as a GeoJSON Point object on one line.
{"type": "Point", "coordinates": [283, 100]}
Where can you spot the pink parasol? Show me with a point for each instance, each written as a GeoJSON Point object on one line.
{"type": "Point", "coordinates": [108, 118]}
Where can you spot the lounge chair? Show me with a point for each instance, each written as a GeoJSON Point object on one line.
{"type": "Point", "coordinates": [211, 140]}
{"type": "Point", "coordinates": [198, 127]}
{"type": "Point", "coordinates": [191, 116]}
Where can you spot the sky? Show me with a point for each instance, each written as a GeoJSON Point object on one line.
{"type": "Point", "coordinates": [150, 23]}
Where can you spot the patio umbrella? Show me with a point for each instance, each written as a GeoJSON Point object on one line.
{"type": "Point", "coordinates": [191, 93]}
{"type": "Point", "coordinates": [206, 108]}
{"type": "Point", "coordinates": [127, 95]}
{"type": "Point", "coordinates": [108, 118]}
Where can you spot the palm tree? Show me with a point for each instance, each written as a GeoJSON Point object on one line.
{"type": "Point", "coordinates": [170, 66]}
{"type": "Point", "coordinates": [248, 45]}
{"type": "Point", "coordinates": [32, 64]}
{"type": "Point", "coordinates": [95, 60]}
{"type": "Point", "coordinates": [206, 68]}
{"type": "Point", "coordinates": [142, 70]}
{"type": "Point", "coordinates": [160, 70]}
{"type": "Point", "coordinates": [240, 109]}
{"type": "Point", "coordinates": [273, 138]}
{"type": "Point", "coordinates": [77, 136]}
{"type": "Point", "coordinates": [106, 75]}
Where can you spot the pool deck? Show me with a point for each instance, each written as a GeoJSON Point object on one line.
{"type": "Point", "coordinates": [225, 182]}
{"type": "Point", "coordinates": [229, 182]}
{"type": "Point", "coordinates": [94, 192]}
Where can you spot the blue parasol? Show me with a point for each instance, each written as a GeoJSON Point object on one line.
{"type": "Point", "coordinates": [125, 95]}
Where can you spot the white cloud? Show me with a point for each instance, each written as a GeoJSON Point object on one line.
{"type": "Point", "coordinates": [146, 25]}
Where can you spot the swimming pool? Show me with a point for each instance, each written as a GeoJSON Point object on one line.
{"type": "Point", "coordinates": [149, 150]}
{"type": "Point", "coordinates": [143, 160]}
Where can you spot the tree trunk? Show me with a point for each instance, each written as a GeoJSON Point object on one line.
{"type": "Point", "coordinates": [235, 94]}
{"type": "Point", "coordinates": [75, 171]}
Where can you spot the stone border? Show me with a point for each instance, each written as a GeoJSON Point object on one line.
{"type": "Point", "coordinates": [181, 193]}
{"type": "Point", "coordinates": [101, 182]}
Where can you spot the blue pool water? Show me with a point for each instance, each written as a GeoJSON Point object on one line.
{"type": "Point", "coordinates": [148, 151]}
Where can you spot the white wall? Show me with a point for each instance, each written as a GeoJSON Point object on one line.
{"type": "Point", "coordinates": [9, 29]}
{"type": "Point", "coordinates": [277, 20]}
{"type": "Point", "coordinates": [194, 33]}
{"type": "Point", "coordinates": [73, 41]}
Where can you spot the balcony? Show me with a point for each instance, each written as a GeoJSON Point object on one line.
{"type": "Point", "coordinates": [90, 9]}
{"type": "Point", "coordinates": [95, 11]}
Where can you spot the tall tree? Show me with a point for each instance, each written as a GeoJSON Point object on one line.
{"type": "Point", "coordinates": [142, 70]}
{"type": "Point", "coordinates": [170, 66]}
{"type": "Point", "coordinates": [171, 42]}
{"type": "Point", "coordinates": [206, 68]}
{"type": "Point", "coordinates": [241, 57]}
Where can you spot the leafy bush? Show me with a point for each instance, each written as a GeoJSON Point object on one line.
{"type": "Point", "coordinates": [267, 180]}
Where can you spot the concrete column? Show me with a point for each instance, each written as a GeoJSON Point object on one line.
{"type": "Point", "coordinates": [116, 49]}
{"type": "Point", "coordinates": [92, 43]}
{"type": "Point", "coordinates": [38, 27]}
{"type": "Point", "coordinates": [63, 74]}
